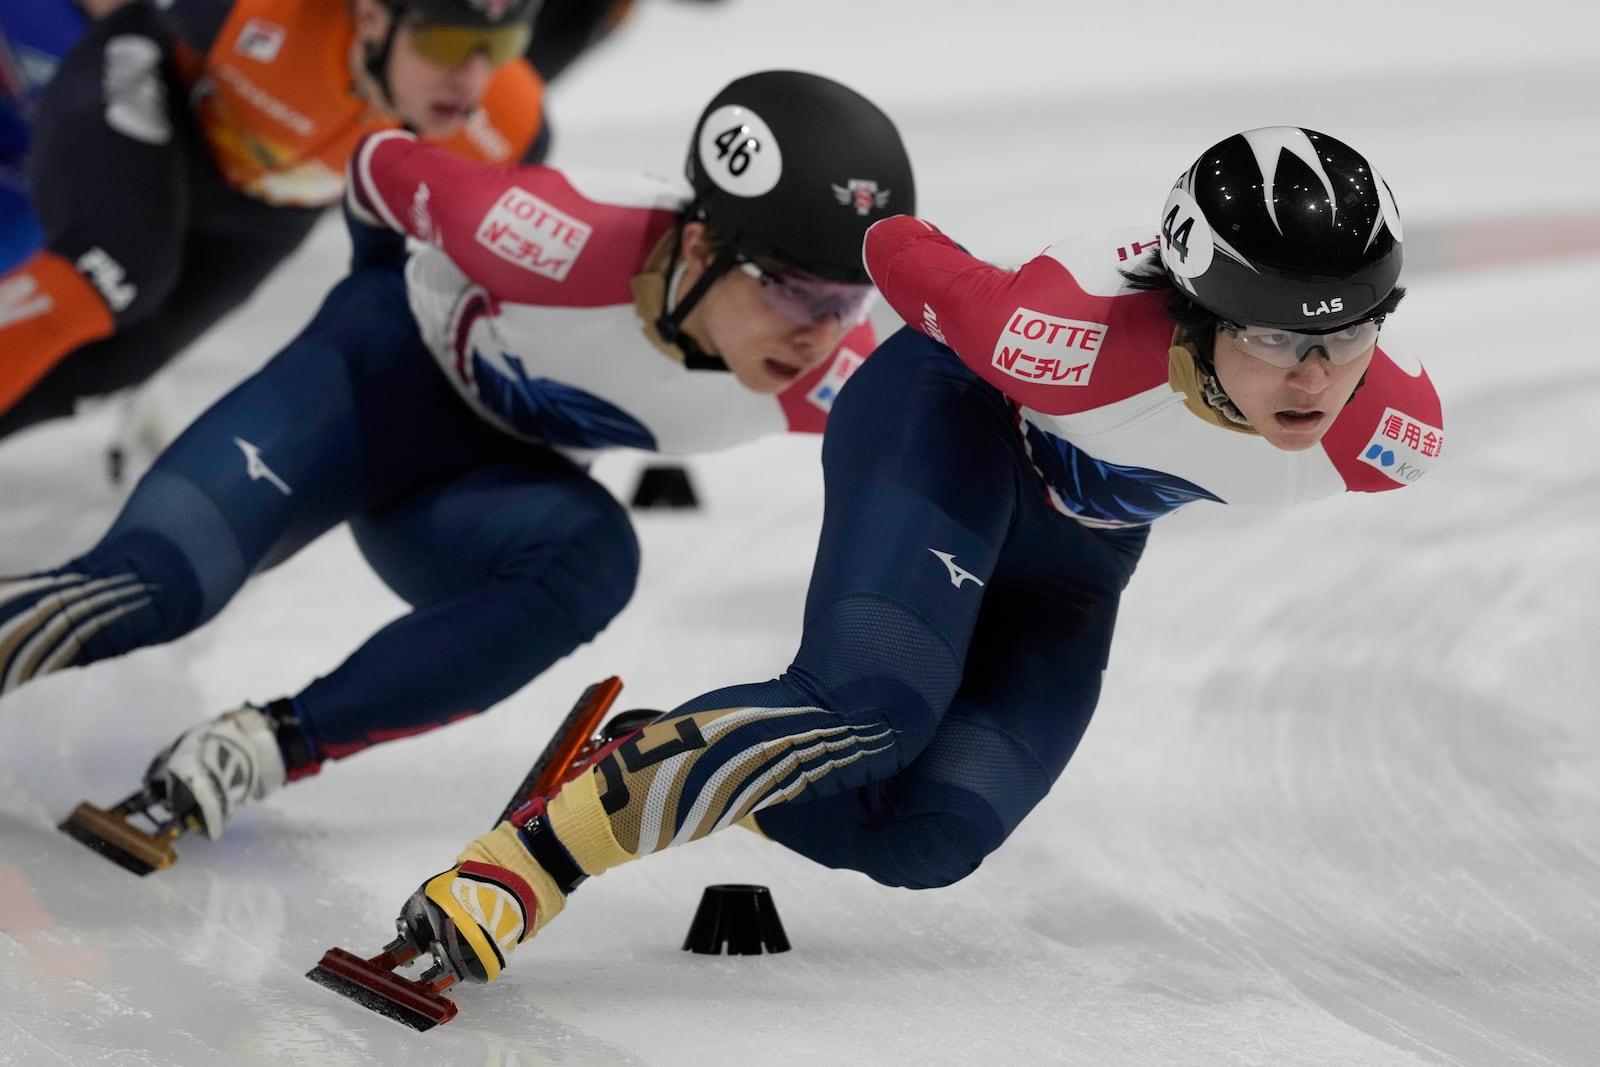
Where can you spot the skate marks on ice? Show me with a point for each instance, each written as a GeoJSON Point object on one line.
{"type": "Point", "coordinates": [1377, 801]}
{"type": "Point", "coordinates": [1349, 821]}
{"type": "Point", "coordinates": [204, 964]}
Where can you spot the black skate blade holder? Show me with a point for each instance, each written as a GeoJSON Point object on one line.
{"type": "Point", "coordinates": [112, 835]}
{"type": "Point", "coordinates": [420, 1002]}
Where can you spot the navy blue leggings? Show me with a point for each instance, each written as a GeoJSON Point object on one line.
{"type": "Point", "coordinates": [510, 555]}
{"type": "Point", "coordinates": [982, 690]}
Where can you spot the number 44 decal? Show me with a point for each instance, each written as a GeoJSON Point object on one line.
{"type": "Point", "coordinates": [1176, 234]}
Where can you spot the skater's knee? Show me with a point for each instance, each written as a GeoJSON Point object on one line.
{"type": "Point", "coordinates": [869, 636]}
{"type": "Point", "coordinates": [871, 656]}
{"type": "Point", "coordinates": [172, 533]}
{"type": "Point", "coordinates": [876, 703]}
{"type": "Point", "coordinates": [598, 591]}
{"type": "Point", "coordinates": [588, 574]}
{"type": "Point", "coordinates": [929, 852]}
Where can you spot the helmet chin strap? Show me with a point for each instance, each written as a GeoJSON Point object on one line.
{"type": "Point", "coordinates": [1211, 392]}
{"type": "Point", "coordinates": [670, 323]}
{"type": "Point", "coordinates": [1217, 398]}
{"type": "Point", "coordinates": [376, 60]}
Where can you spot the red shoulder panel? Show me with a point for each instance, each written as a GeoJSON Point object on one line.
{"type": "Point", "coordinates": [807, 402]}
{"type": "Point", "coordinates": [1392, 430]}
{"type": "Point", "coordinates": [522, 232]}
{"type": "Point", "coordinates": [1032, 333]}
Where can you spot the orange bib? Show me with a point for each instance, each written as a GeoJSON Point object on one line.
{"type": "Point", "coordinates": [274, 100]}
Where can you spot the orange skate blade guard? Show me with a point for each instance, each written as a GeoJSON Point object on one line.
{"type": "Point", "coordinates": [124, 844]}
{"type": "Point", "coordinates": [372, 984]}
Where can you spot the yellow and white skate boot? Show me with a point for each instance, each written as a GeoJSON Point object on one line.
{"type": "Point", "coordinates": [496, 896]}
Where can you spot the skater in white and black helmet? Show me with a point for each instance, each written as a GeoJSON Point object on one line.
{"type": "Point", "coordinates": [445, 407]}
{"type": "Point", "coordinates": [992, 474]}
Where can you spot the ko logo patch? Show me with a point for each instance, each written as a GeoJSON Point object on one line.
{"type": "Point", "coordinates": [1186, 242]}
{"type": "Point", "coordinates": [1402, 447]}
{"type": "Point", "coordinates": [844, 364]}
{"type": "Point", "coordinates": [738, 152]}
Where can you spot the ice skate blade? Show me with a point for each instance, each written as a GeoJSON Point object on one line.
{"type": "Point", "coordinates": [111, 835]}
{"type": "Point", "coordinates": [372, 986]}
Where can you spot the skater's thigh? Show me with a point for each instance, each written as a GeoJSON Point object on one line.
{"type": "Point", "coordinates": [920, 495]}
{"type": "Point", "coordinates": [303, 443]}
{"type": "Point", "coordinates": [532, 517]}
{"type": "Point", "coordinates": [1035, 663]}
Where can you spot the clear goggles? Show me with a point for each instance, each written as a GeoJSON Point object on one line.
{"type": "Point", "coordinates": [449, 46]}
{"type": "Point", "coordinates": [806, 300]}
{"type": "Point", "coordinates": [1287, 348]}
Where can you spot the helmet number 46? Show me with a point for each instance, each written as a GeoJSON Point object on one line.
{"type": "Point", "coordinates": [1177, 236]}
{"type": "Point", "coordinates": [734, 148]}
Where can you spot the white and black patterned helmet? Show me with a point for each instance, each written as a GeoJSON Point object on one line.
{"type": "Point", "coordinates": [1282, 226]}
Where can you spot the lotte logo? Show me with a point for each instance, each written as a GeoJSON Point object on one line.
{"type": "Point", "coordinates": [1036, 347]}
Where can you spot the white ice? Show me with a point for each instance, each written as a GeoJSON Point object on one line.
{"type": "Point", "coordinates": [1340, 805]}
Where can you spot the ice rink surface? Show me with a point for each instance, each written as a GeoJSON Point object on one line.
{"type": "Point", "coordinates": [1340, 804]}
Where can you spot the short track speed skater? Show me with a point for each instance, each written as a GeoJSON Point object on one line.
{"type": "Point", "coordinates": [420, 1002]}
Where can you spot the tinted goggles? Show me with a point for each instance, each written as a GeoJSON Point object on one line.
{"type": "Point", "coordinates": [1286, 348]}
{"type": "Point", "coordinates": [806, 300]}
{"type": "Point", "coordinates": [450, 46]}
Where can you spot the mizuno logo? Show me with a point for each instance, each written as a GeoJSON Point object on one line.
{"type": "Point", "coordinates": [957, 574]}
{"type": "Point", "coordinates": [257, 468]}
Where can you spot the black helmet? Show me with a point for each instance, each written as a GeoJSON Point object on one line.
{"type": "Point", "coordinates": [1284, 227]}
{"type": "Point", "coordinates": [794, 167]}
{"type": "Point", "coordinates": [469, 12]}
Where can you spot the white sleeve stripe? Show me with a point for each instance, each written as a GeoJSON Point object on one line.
{"type": "Point", "coordinates": [364, 176]}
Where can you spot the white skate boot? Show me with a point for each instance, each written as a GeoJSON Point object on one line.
{"type": "Point", "coordinates": [213, 768]}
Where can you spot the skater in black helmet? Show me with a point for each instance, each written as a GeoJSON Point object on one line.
{"type": "Point", "coordinates": [445, 405]}
{"type": "Point", "coordinates": [992, 475]}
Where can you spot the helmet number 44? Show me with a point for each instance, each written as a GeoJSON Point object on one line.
{"type": "Point", "coordinates": [1177, 236]}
